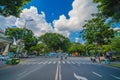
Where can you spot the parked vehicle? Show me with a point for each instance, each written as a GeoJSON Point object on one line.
{"type": "Point", "coordinates": [1, 58]}
{"type": "Point", "coordinates": [4, 57]}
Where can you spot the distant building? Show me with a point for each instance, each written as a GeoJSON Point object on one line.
{"type": "Point", "coordinates": [4, 43]}
{"type": "Point", "coordinates": [117, 32]}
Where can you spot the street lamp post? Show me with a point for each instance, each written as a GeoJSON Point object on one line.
{"type": "Point", "coordinates": [19, 50]}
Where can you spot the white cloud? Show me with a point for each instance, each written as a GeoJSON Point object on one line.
{"type": "Point", "coordinates": [82, 10]}
{"type": "Point", "coordinates": [39, 25]}
{"type": "Point", "coordinates": [7, 21]}
{"type": "Point", "coordinates": [76, 39]}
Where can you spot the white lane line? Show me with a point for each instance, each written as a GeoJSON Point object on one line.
{"type": "Point", "coordinates": [49, 62]}
{"type": "Point", "coordinates": [39, 63]}
{"type": "Point", "coordinates": [54, 62]}
{"type": "Point", "coordinates": [27, 73]}
{"type": "Point", "coordinates": [97, 74]}
{"type": "Point", "coordinates": [59, 62]}
{"type": "Point", "coordinates": [59, 66]}
{"type": "Point", "coordinates": [68, 62]}
{"type": "Point", "coordinates": [72, 62]}
{"type": "Point", "coordinates": [77, 62]}
{"type": "Point", "coordinates": [115, 77]}
{"type": "Point", "coordinates": [34, 62]}
{"type": "Point", "coordinates": [79, 77]}
{"type": "Point", "coordinates": [45, 62]}
{"type": "Point", "coordinates": [63, 62]}
{"type": "Point", "coordinates": [56, 76]}
{"type": "Point", "coordinates": [22, 73]}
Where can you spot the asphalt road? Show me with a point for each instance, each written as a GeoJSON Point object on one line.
{"type": "Point", "coordinates": [56, 69]}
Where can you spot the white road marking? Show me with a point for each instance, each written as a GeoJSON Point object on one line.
{"type": "Point", "coordinates": [68, 62]}
{"type": "Point", "coordinates": [54, 62]}
{"type": "Point", "coordinates": [59, 62]}
{"type": "Point", "coordinates": [97, 74]}
{"type": "Point", "coordinates": [56, 76]}
{"type": "Point", "coordinates": [79, 77]}
{"type": "Point", "coordinates": [45, 62]}
{"type": "Point", "coordinates": [59, 66]}
{"type": "Point", "coordinates": [58, 72]}
{"type": "Point", "coordinates": [49, 62]}
{"type": "Point", "coordinates": [34, 63]}
{"type": "Point", "coordinates": [72, 62]}
{"type": "Point", "coordinates": [63, 62]}
{"type": "Point", "coordinates": [20, 74]}
{"type": "Point", "coordinates": [77, 62]}
{"type": "Point", "coordinates": [27, 73]}
{"type": "Point", "coordinates": [39, 62]}
{"type": "Point", "coordinates": [115, 77]}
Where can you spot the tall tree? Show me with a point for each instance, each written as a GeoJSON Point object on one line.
{"type": "Point", "coordinates": [12, 7]}
{"type": "Point", "coordinates": [55, 41]}
{"type": "Point", "coordinates": [25, 35]}
{"type": "Point", "coordinates": [41, 48]}
{"type": "Point", "coordinates": [96, 31]}
{"type": "Point", "coordinates": [76, 47]}
{"type": "Point", "coordinates": [109, 8]}
{"type": "Point", "coordinates": [115, 42]}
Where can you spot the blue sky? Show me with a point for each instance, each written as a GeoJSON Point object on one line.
{"type": "Point", "coordinates": [65, 17]}
{"type": "Point", "coordinates": [52, 8]}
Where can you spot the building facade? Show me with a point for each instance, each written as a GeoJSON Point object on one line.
{"type": "Point", "coordinates": [4, 44]}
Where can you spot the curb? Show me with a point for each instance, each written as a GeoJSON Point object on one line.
{"type": "Point", "coordinates": [108, 65]}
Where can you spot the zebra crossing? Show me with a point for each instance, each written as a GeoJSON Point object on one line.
{"type": "Point", "coordinates": [55, 62]}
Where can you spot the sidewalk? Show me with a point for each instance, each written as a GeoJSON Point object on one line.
{"type": "Point", "coordinates": [115, 64]}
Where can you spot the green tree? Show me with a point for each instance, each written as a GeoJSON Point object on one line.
{"type": "Point", "coordinates": [55, 41]}
{"type": "Point", "coordinates": [89, 48]}
{"type": "Point", "coordinates": [109, 8]}
{"type": "Point", "coordinates": [97, 32]}
{"type": "Point", "coordinates": [41, 48]}
{"type": "Point", "coordinates": [115, 42]}
{"type": "Point", "coordinates": [76, 47]}
{"type": "Point", "coordinates": [24, 35]}
{"type": "Point", "coordinates": [12, 7]}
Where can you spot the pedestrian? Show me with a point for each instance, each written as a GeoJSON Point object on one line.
{"type": "Point", "coordinates": [93, 59]}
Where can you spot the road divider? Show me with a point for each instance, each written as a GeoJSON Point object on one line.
{"type": "Point", "coordinates": [58, 71]}
{"type": "Point", "coordinates": [56, 76]}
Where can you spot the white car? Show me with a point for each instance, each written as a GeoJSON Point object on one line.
{"type": "Point", "coordinates": [4, 58]}
{"type": "Point", "coordinates": [1, 58]}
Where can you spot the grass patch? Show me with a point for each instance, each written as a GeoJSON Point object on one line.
{"type": "Point", "coordinates": [116, 65]}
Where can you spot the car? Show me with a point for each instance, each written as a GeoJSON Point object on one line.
{"type": "Point", "coordinates": [4, 57]}
{"type": "Point", "coordinates": [1, 57]}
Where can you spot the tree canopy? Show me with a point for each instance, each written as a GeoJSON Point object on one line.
{"type": "Point", "coordinates": [76, 47]}
{"type": "Point", "coordinates": [12, 7]}
{"type": "Point", "coordinates": [23, 34]}
{"type": "Point", "coordinates": [96, 31]}
{"type": "Point", "coordinates": [55, 41]}
{"type": "Point", "coordinates": [115, 42]}
{"type": "Point", "coordinates": [109, 8]}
